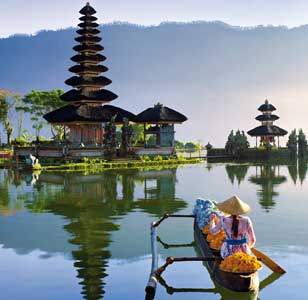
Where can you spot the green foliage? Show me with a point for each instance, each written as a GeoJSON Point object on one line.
{"type": "Point", "coordinates": [151, 141]}
{"type": "Point", "coordinates": [302, 143]}
{"type": "Point", "coordinates": [137, 134]}
{"type": "Point", "coordinates": [236, 144]}
{"type": "Point", "coordinates": [179, 145]}
{"type": "Point", "coordinates": [38, 103]}
{"type": "Point", "coordinates": [292, 142]}
{"type": "Point", "coordinates": [190, 147]}
{"type": "Point", "coordinates": [158, 158]}
{"type": "Point", "coordinates": [7, 104]}
{"type": "Point", "coordinates": [208, 147]}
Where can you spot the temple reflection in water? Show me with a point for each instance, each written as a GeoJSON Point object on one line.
{"type": "Point", "coordinates": [267, 177]}
{"type": "Point", "coordinates": [91, 205]}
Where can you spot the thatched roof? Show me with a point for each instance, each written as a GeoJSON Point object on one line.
{"type": "Point", "coordinates": [89, 25]}
{"type": "Point", "coordinates": [88, 18]}
{"type": "Point", "coordinates": [88, 69]}
{"type": "Point", "coordinates": [102, 95]}
{"type": "Point", "coordinates": [160, 114]}
{"type": "Point", "coordinates": [89, 31]}
{"type": "Point", "coordinates": [267, 107]}
{"type": "Point", "coordinates": [88, 39]}
{"type": "Point", "coordinates": [86, 113]}
{"type": "Point", "coordinates": [95, 81]}
{"type": "Point", "coordinates": [88, 48]}
{"type": "Point", "coordinates": [80, 58]}
{"type": "Point", "coordinates": [267, 118]}
{"type": "Point", "coordinates": [267, 130]}
{"type": "Point", "coordinates": [87, 10]}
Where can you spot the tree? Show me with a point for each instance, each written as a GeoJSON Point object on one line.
{"type": "Point", "coordinates": [179, 144]}
{"type": "Point", "coordinates": [230, 144]}
{"type": "Point", "coordinates": [236, 144]}
{"type": "Point", "coordinates": [208, 147]}
{"type": "Point", "coordinates": [110, 143]}
{"type": "Point", "coordinates": [7, 104]}
{"type": "Point", "coordinates": [37, 104]}
{"type": "Point", "coordinates": [292, 142]}
{"type": "Point", "coordinates": [302, 143]}
{"type": "Point", "coordinates": [138, 134]}
{"type": "Point", "coordinates": [190, 147]}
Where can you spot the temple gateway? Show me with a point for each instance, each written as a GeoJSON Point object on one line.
{"type": "Point", "coordinates": [267, 132]}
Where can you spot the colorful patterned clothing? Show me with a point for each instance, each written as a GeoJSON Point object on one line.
{"type": "Point", "coordinates": [242, 243]}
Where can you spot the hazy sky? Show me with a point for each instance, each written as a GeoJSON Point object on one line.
{"type": "Point", "coordinates": [29, 16]}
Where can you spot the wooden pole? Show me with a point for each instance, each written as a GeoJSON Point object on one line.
{"type": "Point", "coordinates": [151, 286]}
{"type": "Point", "coordinates": [166, 216]}
{"type": "Point", "coordinates": [170, 260]}
{"type": "Point", "coordinates": [152, 282]}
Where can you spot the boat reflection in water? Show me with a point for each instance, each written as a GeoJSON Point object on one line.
{"type": "Point", "coordinates": [217, 289]}
{"type": "Point", "coordinates": [91, 204]}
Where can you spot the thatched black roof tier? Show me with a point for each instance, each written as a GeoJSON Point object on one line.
{"type": "Point", "coordinates": [88, 39]}
{"type": "Point", "coordinates": [267, 107]}
{"type": "Point", "coordinates": [88, 19]}
{"type": "Point", "coordinates": [88, 31]}
{"type": "Point", "coordinates": [88, 48]}
{"type": "Point", "coordinates": [88, 25]}
{"type": "Point", "coordinates": [262, 118]}
{"type": "Point", "coordinates": [160, 114]}
{"type": "Point", "coordinates": [82, 58]}
{"type": "Point", "coordinates": [102, 95]}
{"type": "Point", "coordinates": [95, 81]}
{"type": "Point", "coordinates": [81, 69]}
{"type": "Point", "coordinates": [266, 130]}
{"type": "Point", "coordinates": [87, 113]}
{"type": "Point", "coordinates": [87, 10]}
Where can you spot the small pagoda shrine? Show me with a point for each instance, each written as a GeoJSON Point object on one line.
{"type": "Point", "coordinates": [86, 113]}
{"type": "Point", "coordinates": [159, 122]}
{"type": "Point", "coordinates": [267, 132]}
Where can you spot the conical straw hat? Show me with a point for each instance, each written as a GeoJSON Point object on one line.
{"type": "Point", "coordinates": [234, 206]}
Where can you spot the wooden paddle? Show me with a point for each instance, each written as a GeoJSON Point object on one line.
{"type": "Point", "coordinates": [268, 261]}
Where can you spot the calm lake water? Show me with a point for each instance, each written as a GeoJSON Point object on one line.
{"type": "Point", "coordinates": [86, 236]}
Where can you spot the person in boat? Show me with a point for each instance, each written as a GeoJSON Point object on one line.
{"type": "Point", "coordinates": [239, 231]}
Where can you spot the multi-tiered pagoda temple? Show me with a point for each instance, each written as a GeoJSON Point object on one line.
{"type": "Point", "coordinates": [267, 132]}
{"type": "Point", "coordinates": [86, 113]}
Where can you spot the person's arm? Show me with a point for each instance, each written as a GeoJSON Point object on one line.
{"type": "Point", "coordinates": [251, 234]}
{"type": "Point", "coordinates": [215, 228]}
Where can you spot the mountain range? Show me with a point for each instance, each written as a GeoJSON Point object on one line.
{"type": "Point", "coordinates": [215, 74]}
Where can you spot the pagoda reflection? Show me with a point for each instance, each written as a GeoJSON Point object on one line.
{"type": "Point", "coordinates": [92, 203]}
{"type": "Point", "coordinates": [267, 178]}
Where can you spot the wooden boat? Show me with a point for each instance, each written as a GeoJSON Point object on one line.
{"type": "Point", "coordinates": [240, 282]}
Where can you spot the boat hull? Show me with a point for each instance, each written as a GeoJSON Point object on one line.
{"type": "Point", "coordinates": [233, 281]}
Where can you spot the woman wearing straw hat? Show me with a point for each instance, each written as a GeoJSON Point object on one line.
{"type": "Point", "coordinates": [240, 236]}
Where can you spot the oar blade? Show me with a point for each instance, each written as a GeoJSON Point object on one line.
{"type": "Point", "coordinates": [268, 261]}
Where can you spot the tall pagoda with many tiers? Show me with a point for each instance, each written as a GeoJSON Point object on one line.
{"type": "Point", "coordinates": [267, 132]}
{"type": "Point", "coordinates": [87, 112]}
